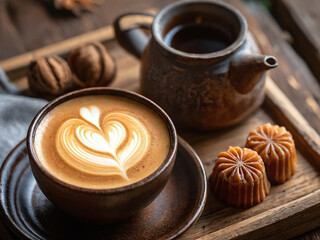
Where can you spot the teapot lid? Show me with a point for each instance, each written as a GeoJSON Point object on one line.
{"type": "Point", "coordinates": [223, 15]}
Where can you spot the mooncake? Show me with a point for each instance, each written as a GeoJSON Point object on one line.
{"type": "Point", "coordinates": [238, 178]}
{"type": "Point", "coordinates": [276, 147]}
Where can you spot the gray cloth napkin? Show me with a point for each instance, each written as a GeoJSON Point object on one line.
{"type": "Point", "coordinates": [16, 113]}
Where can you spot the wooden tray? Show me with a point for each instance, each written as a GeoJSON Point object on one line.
{"type": "Point", "coordinates": [289, 209]}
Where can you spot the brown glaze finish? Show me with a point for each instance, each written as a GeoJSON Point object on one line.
{"type": "Point", "coordinates": [105, 205]}
{"type": "Point", "coordinates": [201, 91]}
{"type": "Point", "coordinates": [30, 215]}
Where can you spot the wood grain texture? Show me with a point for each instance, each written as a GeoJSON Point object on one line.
{"type": "Point", "coordinates": [302, 20]}
{"type": "Point", "coordinates": [312, 235]}
{"type": "Point", "coordinates": [19, 63]}
{"type": "Point", "coordinates": [26, 25]}
{"type": "Point", "coordinates": [292, 76]}
{"type": "Point", "coordinates": [280, 107]}
{"type": "Point", "coordinates": [263, 225]}
{"type": "Point", "coordinates": [10, 42]}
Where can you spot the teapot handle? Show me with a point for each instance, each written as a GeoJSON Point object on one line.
{"type": "Point", "coordinates": [132, 39]}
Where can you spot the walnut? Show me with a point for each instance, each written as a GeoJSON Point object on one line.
{"type": "Point", "coordinates": [92, 65]}
{"type": "Point", "coordinates": [50, 77]}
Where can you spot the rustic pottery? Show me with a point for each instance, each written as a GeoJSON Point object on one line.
{"type": "Point", "coordinates": [30, 215]}
{"type": "Point", "coordinates": [101, 205]}
{"type": "Point", "coordinates": [202, 91]}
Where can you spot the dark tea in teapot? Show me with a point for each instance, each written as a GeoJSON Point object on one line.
{"type": "Point", "coordinates": [198, 37]}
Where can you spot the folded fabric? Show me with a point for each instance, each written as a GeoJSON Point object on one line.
{"type": "Point", "coordinates": [16, 114]}
{"type": "Point", "coordinates": [5, 85]}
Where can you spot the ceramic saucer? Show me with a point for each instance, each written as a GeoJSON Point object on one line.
{"type": "Point", "coordinates": [29, 214]}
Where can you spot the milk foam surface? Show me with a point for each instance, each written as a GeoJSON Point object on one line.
{"type": "Point", "coordinates": [102, 141]}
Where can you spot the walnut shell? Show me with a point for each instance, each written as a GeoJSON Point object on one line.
{"type": "Point", "coordinates": [50, 77]}
{"type": "Point", "coordinates": [92, 65]}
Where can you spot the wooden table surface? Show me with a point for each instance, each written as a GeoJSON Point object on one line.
{"type": "Point", "coordinates": [291, 33]}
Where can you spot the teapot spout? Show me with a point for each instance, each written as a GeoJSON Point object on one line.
{"type": "Point", "coordinates": [247, 69]}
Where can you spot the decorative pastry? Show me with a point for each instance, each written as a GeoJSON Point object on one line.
{"type": "Point", "coordinates": [92, 65]}
{"type": "Point", "coordinates": [239, 178]}
{"type": "Point", "coordinates": [50, 77]}
{"type": "Point", "coordinates": [276, 147]}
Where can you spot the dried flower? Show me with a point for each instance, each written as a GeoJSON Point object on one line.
{"type": "Point", "coordinates": [76, 6]}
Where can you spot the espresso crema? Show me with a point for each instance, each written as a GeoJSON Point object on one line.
{"type": "Point", "coordinates": [101, 141]}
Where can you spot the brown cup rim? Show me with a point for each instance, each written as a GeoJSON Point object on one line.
{"type": "Point", "coordinates": [203, 56]}
{"type": "Point", "coordinates": [102, 91]}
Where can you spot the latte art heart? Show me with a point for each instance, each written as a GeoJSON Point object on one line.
{"type": "Point", "coordinates": [102, 145]}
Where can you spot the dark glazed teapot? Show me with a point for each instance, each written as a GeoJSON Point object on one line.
{"type": "Point", "coordinates": [205, 91]}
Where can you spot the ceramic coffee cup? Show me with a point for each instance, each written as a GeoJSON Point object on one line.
{"type": "Point", "coordinates": [101, 205]}
{"type": "Point", "coordinates": [199, 62]}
